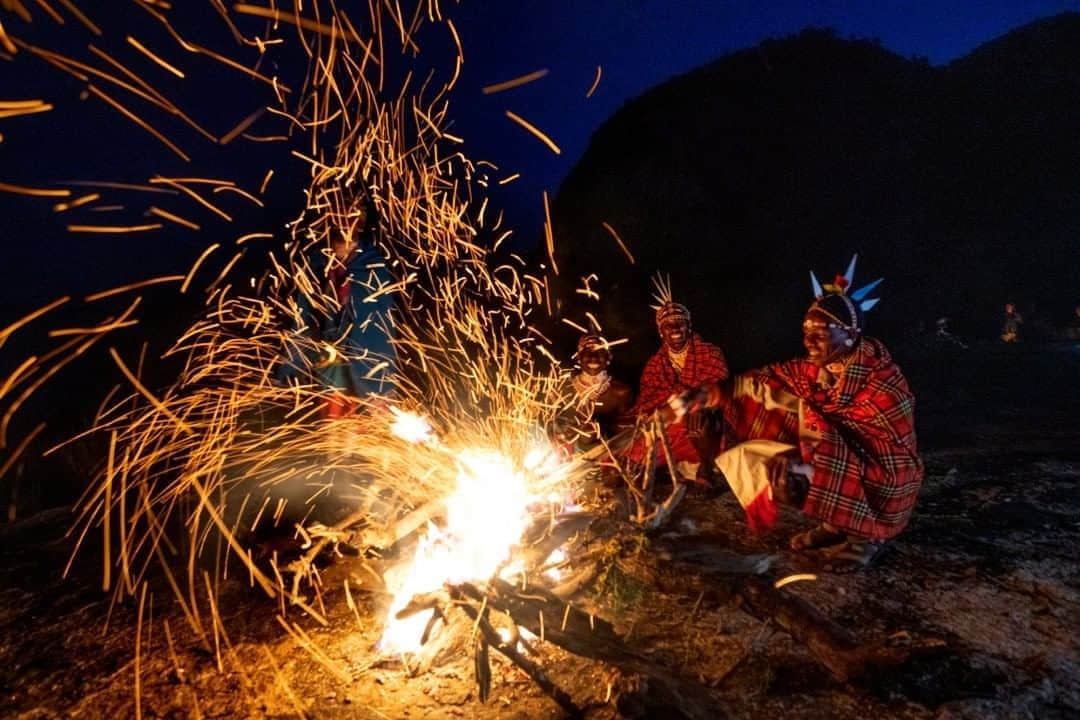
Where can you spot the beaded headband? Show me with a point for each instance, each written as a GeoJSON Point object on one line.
{"type": "Point", "coordinates": [665, 307]}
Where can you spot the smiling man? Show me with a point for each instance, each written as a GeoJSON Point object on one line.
{"type": "Point", "coordinates": [832, 434]}
{"type": "Point", "coordinates": [602, 400]}
{"type": "Point", "coordinates": [684, 361]}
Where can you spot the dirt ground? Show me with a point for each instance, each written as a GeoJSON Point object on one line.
{"type": "Point", "coordinates": [988, 565]}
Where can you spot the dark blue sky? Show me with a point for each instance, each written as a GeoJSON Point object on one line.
{"type": "Point", "coordinates": [641, 43]}
{"type": "Point", "coordinates": [638, 43]}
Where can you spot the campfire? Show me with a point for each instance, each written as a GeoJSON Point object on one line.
{"type": "Point", "coordinates": [493, 503]}
{"type": "Point", "coordinates": [458, 458]}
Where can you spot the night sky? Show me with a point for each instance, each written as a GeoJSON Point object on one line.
{"type": "Point", "coordinates": [638, 44]}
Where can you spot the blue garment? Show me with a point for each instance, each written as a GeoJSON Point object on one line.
{"type": "Point", "coordinates": [360, 331]}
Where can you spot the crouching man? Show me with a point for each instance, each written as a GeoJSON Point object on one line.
{"type": "Point", "coordinates": [832, 434]}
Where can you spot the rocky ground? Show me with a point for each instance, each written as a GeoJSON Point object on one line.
{"type": "Point", "coordinates": [988, 565]}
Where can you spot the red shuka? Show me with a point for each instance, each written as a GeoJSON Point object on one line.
{"type": "Point", "coordinates": [660, 380]}
{"type": "Point", "coordinates": [867, 470]}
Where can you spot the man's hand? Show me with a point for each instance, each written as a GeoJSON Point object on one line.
{"type": "Point", "coordinates": [801, 468]}
{"type": "Point", "coordinates": [792, 485]}
{"type": "Point", "coordinates": [674, 411]}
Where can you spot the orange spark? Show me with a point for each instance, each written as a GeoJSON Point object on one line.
{"type": "Point", "coordinates": [147, 52]}
{"type": "Point", "coordinates": [195, 267]}
{"type": "Point", "coordinates": [535, 131]}
{"type": "Point", "coordinates": [113, 228]}
{"type": "Point", "coordinates": [515, 82]}
{"type": "Point", "coordinates": [242, 193]}
{"type": "Point", "coordinates": [57, 17]}
{"type": "Point", "coordinates": [242, 126]}
{"type": "Point", "coordinates": [13, 378]}
{"type": "Point", "coordinates": [5, 41]}
{"type": "Point", "coordinates": [154, 210]}
{"type": "Point", "coordinates": [252, 236]}
{"type": "Point", "coordinates": [549, 235]}
{"type": "Point", "coordinates": [147, 394]}
{"type": "Point", "coordinates": [14, 108]}
{"type": "Point", "coordinates": [19, 9]}
{"type": "Point", "coordinates": [266, 181]}
{"type": "Point", "coordinates": [595, 83]}
{"type": "Point", "coordinates": [78, 202]}
{"type": "Point", "coordinates": [80, 16]}
{"type": "Point", "coordinates": [192, 194]}
{"type": "Point", "coordinates": [133, 286]}
{"type": "Point", "coordinates": [138, 121]}
{"type": "Point", "coordinates": [121, 186]}
{"type": "Point", "coordinates": [6, 332]}
{"type": "Point", "coordinates": [278, 16]}
{"type": "Point", "coordinates": [19, 450]}
{"type": "Point", "coordinates": [622, 245]}
{"type": "Point", "coordinates": [36, 192]}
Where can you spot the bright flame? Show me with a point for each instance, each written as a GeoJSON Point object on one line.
{"type": "Point", "coordinates": [485, 517]}
{"type": "Point", "coordinates": [557, 557]}
{"type": "Point", "coordinates": [410, 427]}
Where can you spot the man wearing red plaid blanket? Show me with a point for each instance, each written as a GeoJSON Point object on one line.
{"type": "Point", "coordinates": [832, 433]}
{"type": "Point", "coordinates": [684, 361]}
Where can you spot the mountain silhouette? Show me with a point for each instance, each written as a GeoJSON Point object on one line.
{"type": "Point", "coordinates": [959, 184]}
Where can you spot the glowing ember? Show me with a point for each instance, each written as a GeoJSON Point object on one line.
{"type": "Point", "coordinates": [557, 557]}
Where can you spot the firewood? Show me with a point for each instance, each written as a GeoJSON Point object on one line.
{"type": "Point", "coordinates": [835, 647]}
{"type": "Point", "coordinates": [539, 611]}
{"type": "Point", "coordinates": [388, 536]}
{"type": "Point", "coordinates": [509, 650]}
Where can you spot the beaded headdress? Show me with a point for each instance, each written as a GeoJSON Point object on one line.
{"type": "Point", "coordinates": [853, 305]}
{"type": "Point", "coordinates": [592, 342]}
{"type": "Point", "coordinates": [665, 307]}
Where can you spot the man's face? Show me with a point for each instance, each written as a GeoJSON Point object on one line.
{"type": "Point", "coordinates": [823, 344]}
{"type": "Point", "coordinates": [593, 361]}
{"type": "Point", "coordinates": [1009, 308]}
{"type": "Point", "coordinates": [342, 248]}
{"type": "Point", "coordinates": [675, 333]}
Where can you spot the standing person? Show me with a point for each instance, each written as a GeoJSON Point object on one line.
{"type": "Point", "coordinates": [1072, 330]}
{"type": "Point", "coordinates": [832, 433]}
{"type": "Point", "coordinates": [684, 361]}
{"type": "Point", "coordinates": [1010, 329]}
{"type": "Point", "coordinates": [602, 400]}
{"type": "Point", "coordinates": [347, 326]}
{"type": "Point", "coordinates": [356, 275]}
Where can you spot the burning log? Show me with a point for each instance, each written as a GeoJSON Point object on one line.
{"type": "Point", "coordinates": [368, 537]}
{"type": "Point", "coordinates": [508, 648]}
{"type": "Point", "coordinates": [550, 618]}
{"type": "Point", "coordinates": [641, 481]}
{"type": "Point", "coordinates": [388, 536]}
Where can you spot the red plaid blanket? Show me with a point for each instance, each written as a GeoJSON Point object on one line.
{"type": "Point", "coordinates": [867, 470]}
{"type": "Point", "coordinates": [660, 380]}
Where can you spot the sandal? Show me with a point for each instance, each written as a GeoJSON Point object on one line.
{"type": "Point", "coordinates": [852, 556]}
{"type": "Point", "coordinates": [819, 537]}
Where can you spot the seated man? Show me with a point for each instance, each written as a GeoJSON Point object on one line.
{"type": "Point", "coordinates": [602, 401]}
{"type": "Point", "coordinates": [684, 361]}
{"type": "Point", "coordinates": [832, 433]}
